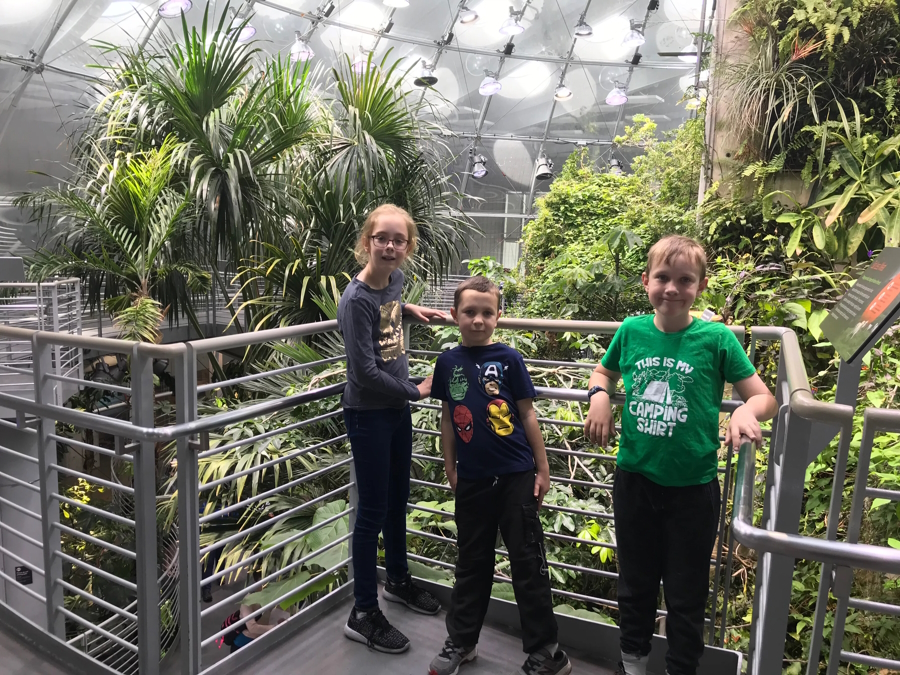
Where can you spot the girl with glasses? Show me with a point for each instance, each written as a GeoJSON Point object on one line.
{"type": "Point", "coordinates": [379, 425]}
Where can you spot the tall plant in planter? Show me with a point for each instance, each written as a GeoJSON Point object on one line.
{"type": "Point", "coordinates": [127, 229]}
{"type": "Point", "coordinates": [235, 121]}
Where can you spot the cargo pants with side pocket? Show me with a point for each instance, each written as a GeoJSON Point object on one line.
{"type": "Point", "coordinates": [506, 503]}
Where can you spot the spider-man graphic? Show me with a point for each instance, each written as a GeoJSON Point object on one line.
{"type": "Point", "coordinates": [462, 420]}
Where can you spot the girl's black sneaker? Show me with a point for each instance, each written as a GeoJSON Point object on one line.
{"type": "Point", "coordinates": [374, 630]}
{"type": "Point", "coordinates": [413, 596]}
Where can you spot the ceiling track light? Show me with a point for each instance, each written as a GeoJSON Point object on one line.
{"type": "Point", "coordinates": [615, 167]}
{"type": "Point", "coordinates": [513, 26]}
{"type": "Point", "coordinates": [617, 95]}
{"type": "Point", "coordinates": [582, 29]}
{"type": "Point", "coordinates": [479, 168]}
{"type": "Point", "coordinates": [327, 9]}
{"type": "Point", "coordinates": [562, 93]}
{"type": "Point", "coordinates": [426, 77]}
{"type": "Point", "coordinates": [467, 15]}
{"type": "Point", "coordinates": [301, 52]}
{"type": "Point", "coordinates": [489, 85]}
{"type": "Point", "coordinates": [172, 9]}
{"type": "Point", "coordinates": [634, 38]}
{"type": "Point", "coordinates": [387, 27]}
{"type": "Point", "coordinates": [396, 3]}
{"type": "Point", "coordinates": [544, 168]}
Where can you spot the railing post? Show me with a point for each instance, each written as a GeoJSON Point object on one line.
{"type": "Point", "coordinates": [771, 602]}
{"type": "Point", "coordinates": [142, 403]}
{"type": "Point", "coordinates": [44, 392]}
{"type": "Point", "coordinates": [188, 516]}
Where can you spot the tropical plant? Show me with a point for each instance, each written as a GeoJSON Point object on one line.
{"type": "Point", "coordinates": [126, 229]}
{"type": "Point", "coordinates": [860, 189]}
{"type": "Point", "coordinates": [378, 151]}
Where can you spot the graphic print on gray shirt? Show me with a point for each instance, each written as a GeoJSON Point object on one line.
{"type": "Point", "coordinates": [371, 322]}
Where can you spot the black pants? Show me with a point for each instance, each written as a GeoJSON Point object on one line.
{"type": "Point", "coordinates": [508, 503]}
{"type": "Point", "coordinates": [664, 533]}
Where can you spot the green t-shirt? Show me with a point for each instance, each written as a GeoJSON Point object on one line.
{"type": "Point", "coordinates": [673, 390]}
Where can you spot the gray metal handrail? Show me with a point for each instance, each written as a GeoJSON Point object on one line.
{"type": "Point", "coordinates": [862, 556]}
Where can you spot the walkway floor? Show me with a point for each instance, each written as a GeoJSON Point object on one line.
{"type": "Point", "coordinates": [17, 657]}
{"type": "Point", "coordinates": [323, 643]}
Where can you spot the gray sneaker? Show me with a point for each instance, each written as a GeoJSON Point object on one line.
{"type": "Point", "coordinates": [542, 662]}
{"type": "Point", "coordinates": [452, 656]}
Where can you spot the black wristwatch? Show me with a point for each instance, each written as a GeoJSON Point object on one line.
{"type": "Point", "coordinates": [596, 389]}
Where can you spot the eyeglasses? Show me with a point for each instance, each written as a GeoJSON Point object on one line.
{"type": "Point", "coordinates": [381, 241]}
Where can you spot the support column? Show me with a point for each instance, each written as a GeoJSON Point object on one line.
{"type": "Point", "coordinates": [142, 402]}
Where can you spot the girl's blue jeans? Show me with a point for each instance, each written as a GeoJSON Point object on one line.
{"type": "Point", "coordinates": [381, 442]}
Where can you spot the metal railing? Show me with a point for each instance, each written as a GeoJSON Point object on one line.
{"type": "Point", "coordinates": [34, 470]}
{"type": "Point", "coordinates": [52, 306]}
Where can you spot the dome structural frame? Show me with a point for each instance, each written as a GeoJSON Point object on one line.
{"type": "Point", "coordinates": [523, 127]}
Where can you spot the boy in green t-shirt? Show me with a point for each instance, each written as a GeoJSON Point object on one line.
{"type": "Point", "coordinates": [666, 494]}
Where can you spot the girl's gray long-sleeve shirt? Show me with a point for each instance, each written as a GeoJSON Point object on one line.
{"type": "Point", "coordinates": [371, 322]}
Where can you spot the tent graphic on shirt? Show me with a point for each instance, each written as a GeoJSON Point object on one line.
{"type": "Point", "coordinates": [662, 386]}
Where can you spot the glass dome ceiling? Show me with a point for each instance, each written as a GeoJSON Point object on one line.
{"type": "Point", "coordinates": [47, 47]}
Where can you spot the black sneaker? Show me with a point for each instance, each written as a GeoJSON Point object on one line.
{"type": "Point", "coordinates": [542, 663]}
{"type": "Point", "coordinates": [206, 594]}
{"type": "Point", "coordinates": [413, 596]}
{"type": "Point", "coordinates": [374, 630]}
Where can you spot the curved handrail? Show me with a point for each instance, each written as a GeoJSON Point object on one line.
{"type": "Point", "coordinates": [862, 556]}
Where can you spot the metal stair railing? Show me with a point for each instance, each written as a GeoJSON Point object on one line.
{"type": "Point", "coordinates": [36, 423]}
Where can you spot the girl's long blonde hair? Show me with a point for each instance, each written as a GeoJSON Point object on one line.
{"type": "Point", "coordinates": [362, 256]}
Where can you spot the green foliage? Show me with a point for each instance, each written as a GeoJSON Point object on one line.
{"type": "Point", "coordinates": [127, 228]}
{"type": "Point", "coordinates": [508, 280]}
{"type": "Point", "coordinates": [587, 247]}
{"type": "Point", "coordinates": [271, 171]}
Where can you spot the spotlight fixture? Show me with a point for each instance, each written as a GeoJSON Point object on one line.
{"type": "Point", "coordinates": [617, 96]}
{"type": "Point", "coordinates": [479, 170]}
{"type": "Point", "coordinates": [327, 9]}
{"type": "Point", "coordinates": [245, 33]}
{"type": "Point", "coordinates": [489, 85]}
{"type": "Point", "coordinates": [615, 168]}
{"type": "Point", "coordinates": [300, 50]}
{"type": "Point", "coordinates": [360, 63]}
{"type": "Point", "coordinates": [634, 38]}
{"type": "Point", "coordinates": [544, 168]}
{"type": "Point", "coordinates": [172, 9]}
{"type": "Point", "coordinates": [396, 3]}
{"type": "Point", "coordinates": [426, 77]}
{"type": "Point", "coordinates": [562, 93]}
{"type": "Point", "coordinates": [467, 15]}
{"type": "Point", "coordinates": [512, 26]}
{"type": "Point", "coordinates": [689, 53]}
{"type": "Point", "coordinates": [582, 29]}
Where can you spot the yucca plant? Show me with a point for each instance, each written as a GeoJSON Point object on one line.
{"type": "Point", "coordinates": [127, 230]}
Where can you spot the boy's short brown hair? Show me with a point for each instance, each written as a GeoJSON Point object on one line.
{"type": "Point", "coordinates": [481, 284]}
{"type": "Point", "coordinates": [675, 246]}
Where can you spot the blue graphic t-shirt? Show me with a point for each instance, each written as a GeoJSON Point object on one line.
{"type": "Point", "coordinates": [481, 386]}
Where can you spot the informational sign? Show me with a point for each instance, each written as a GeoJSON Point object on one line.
{"type": "Point", "coordinates": [853, 324]}
{"type": "Point", "coordinates": [23, 575]}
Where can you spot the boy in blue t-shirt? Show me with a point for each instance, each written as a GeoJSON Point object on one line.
{"type": "Point", "coordinates": [666, 495]}
{"type": "Point", "coordinates": [497, 465]}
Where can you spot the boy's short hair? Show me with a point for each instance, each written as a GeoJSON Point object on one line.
{"type": "Point", "coordinates": [675, 246]}
{"type": "Point", "coordinates": [481, 284]}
